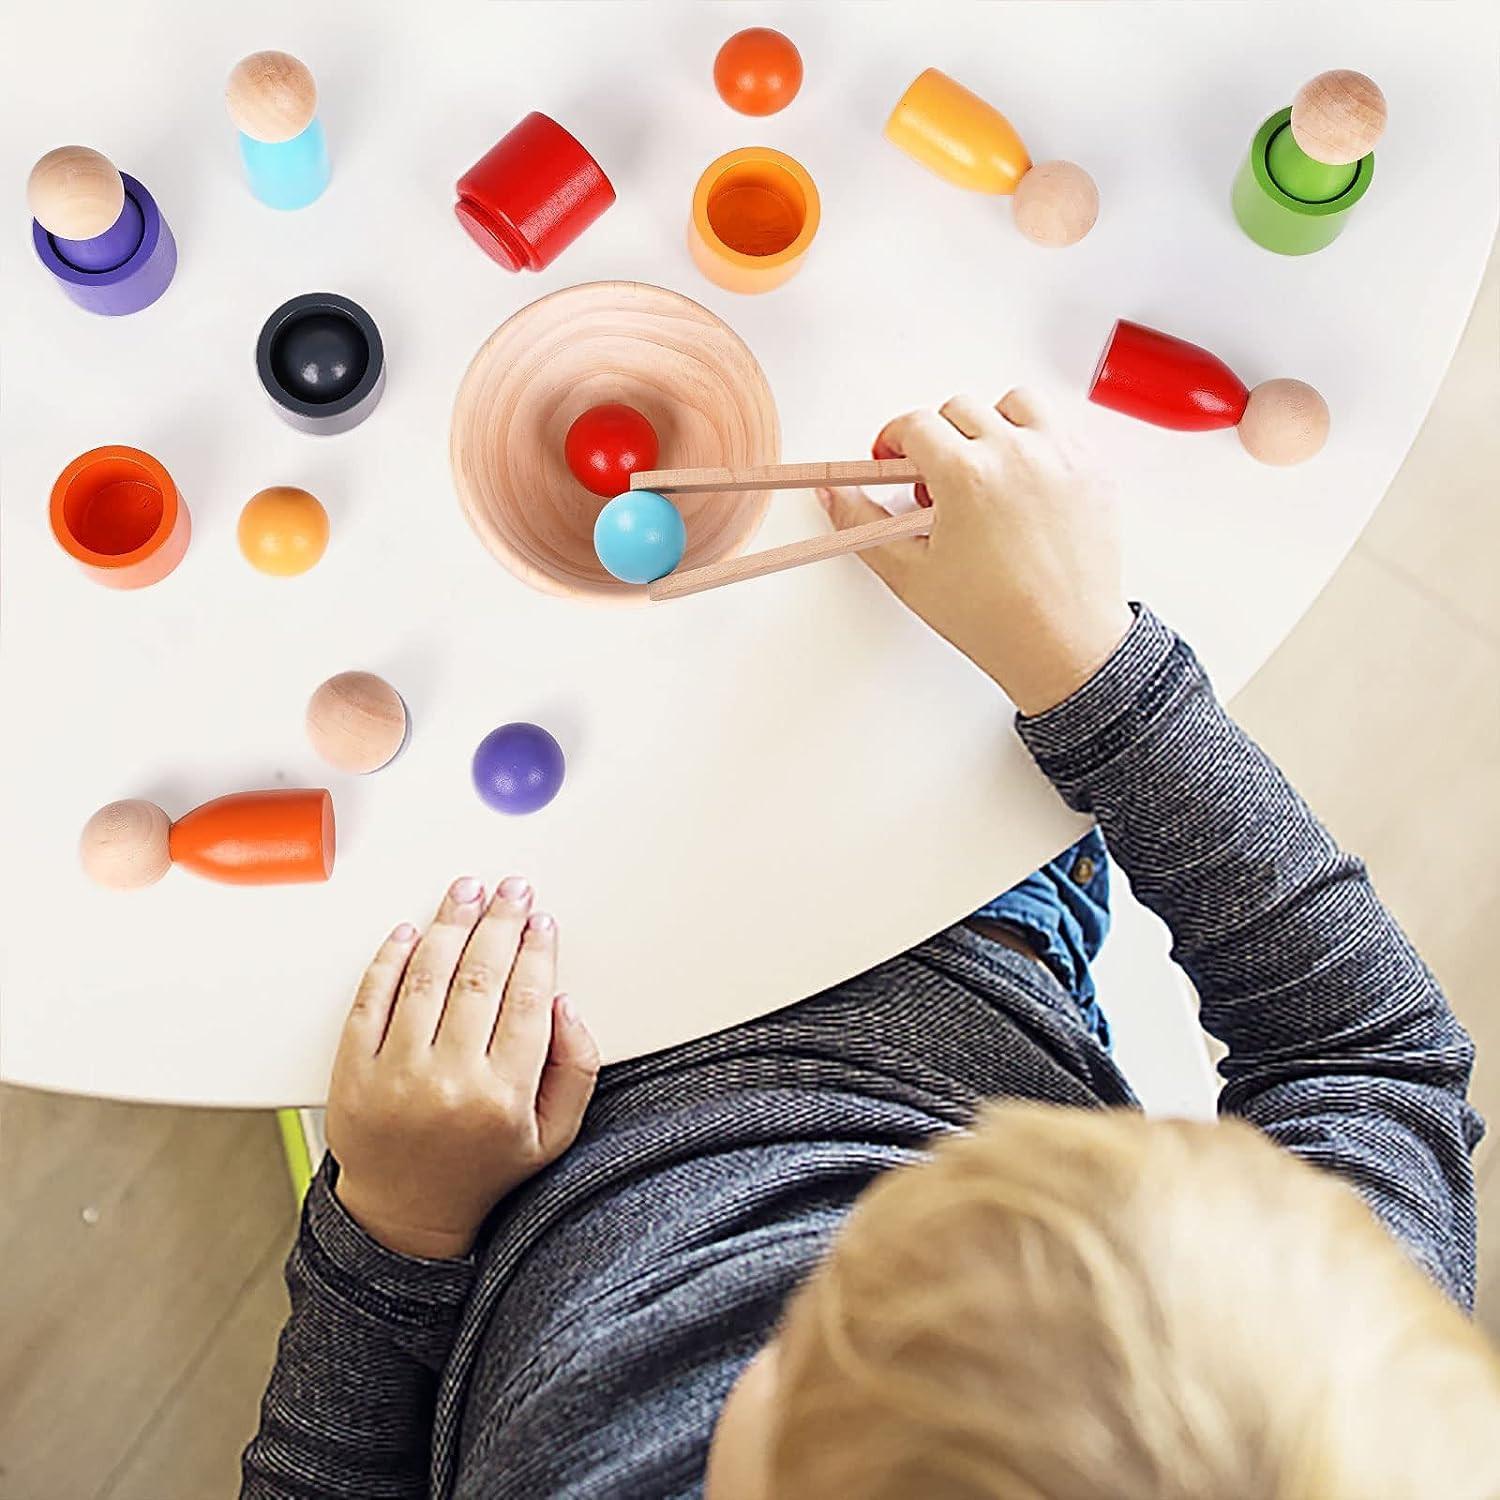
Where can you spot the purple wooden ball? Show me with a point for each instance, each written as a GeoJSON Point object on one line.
{"type": "Point", "coordinates": [518, 768]}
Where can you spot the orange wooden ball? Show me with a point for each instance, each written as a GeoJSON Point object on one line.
{"type": "Point", "coordinates": [357, 722]}
{"type": "Point", "coordinates": [1285, 422]}
{"type": "Point", "coordinates": [1055, 203]}
{"type": "Point", "coordinates": [283, 531]}
{"type": "Point", "coordinates": [125, 845]}
{"type": "Point", "coordinates": [758, 71]}
{"type": "Point", "coordinates": [1338, 117]}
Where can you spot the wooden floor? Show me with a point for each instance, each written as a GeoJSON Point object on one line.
{"type": "Point", "coordinates": [140, 1296]}
{"type": "Point", "coordinates": [141, 1248]}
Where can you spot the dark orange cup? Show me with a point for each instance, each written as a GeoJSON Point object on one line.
{"type": "Point", "coordinates": [116, 512]}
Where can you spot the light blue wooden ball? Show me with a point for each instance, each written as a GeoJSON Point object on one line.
{"type": "Point", "coordinates": [639, 536]}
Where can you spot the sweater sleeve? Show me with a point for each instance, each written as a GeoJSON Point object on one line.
{"type": "Point", "coordinates": [1340, 1044]}
{"type": "Point", "coordinates": [348, 1412]}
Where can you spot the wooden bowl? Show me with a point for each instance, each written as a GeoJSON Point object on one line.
{"type": "Point", "coordinates": [688, 373]}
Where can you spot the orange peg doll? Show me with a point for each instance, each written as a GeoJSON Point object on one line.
{"type": "Point", "coordinates": [280, 837]}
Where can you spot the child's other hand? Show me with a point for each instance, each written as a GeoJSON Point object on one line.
{"type": "Point", "coordinates": [1022, 570]}
{"type": "Point", "coordinates": [459, 1074]}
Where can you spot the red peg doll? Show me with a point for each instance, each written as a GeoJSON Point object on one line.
{"type": "Point", "coordinates": [1171, 383]}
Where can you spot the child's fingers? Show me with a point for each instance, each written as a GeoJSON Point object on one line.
{"type": "Point", "coordinates": [474, 996]}
{"type": "Point", "coordinates": [365, 1028]}
{"type": "Point", "coordinates": [568, 1079]}
{"type": "Point", "coordinates": [970, 416]}
{"type": "Point", "coordinates": [927, 440]}
{"type": "Point", "coordinates": [885, 445]}
{"type": "Point", "coordinates": [1023, 408]}
{"type": "Point", "coordinates": [849, 506]}
{"type": "Point", "coordinates": [523, 1031]}
{"type": "Point", "coordinates": [429, 971]}
{"type": "Point", "coordinates": [881, 448]}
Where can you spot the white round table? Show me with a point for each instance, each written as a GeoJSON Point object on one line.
{"type": "Point", "coordinates": [770, 787]}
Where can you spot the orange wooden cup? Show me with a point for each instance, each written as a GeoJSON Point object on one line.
{"type": "Point", "coordinates": [117, 513]}
{"type": "Point", "coordinates": [279, 837]}
{"type": "Point", "coordinates": [755, 212]}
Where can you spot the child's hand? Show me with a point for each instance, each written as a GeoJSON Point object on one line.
{"type": "Point", "coordinates": [1022, 570]}
{"type": "Point", "coordinates": [459, 1073]}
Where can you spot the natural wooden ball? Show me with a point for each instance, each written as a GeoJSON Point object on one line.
{"type": "Point", "coordinates": [1338, 117]}
{"type": "Point", "coordinates": [1285, 422]}
{"type": "Point", "coordinates": [271, 96]}
{"type": "Point", "coordinates": [357, 722]}
{"type": "Point", "coordinates": [125, 845]}
{"type": "Point", "coordinates": [75, 193]}
{"type": "Point", "coordinates": [1055, 203]}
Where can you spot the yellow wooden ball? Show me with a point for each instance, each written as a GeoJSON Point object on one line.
{"type": "Point", "coordinates": [283, 531]}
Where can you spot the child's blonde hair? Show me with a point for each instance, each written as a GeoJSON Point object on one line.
{"type": "Point", "coordinates": [1073, 1304]}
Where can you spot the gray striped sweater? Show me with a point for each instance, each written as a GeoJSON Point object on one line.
{"type": "Point", "coordinates": [585, 1346]}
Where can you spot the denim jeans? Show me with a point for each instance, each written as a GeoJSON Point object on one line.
{"type": "Point", "coordinates": [1063, 911]}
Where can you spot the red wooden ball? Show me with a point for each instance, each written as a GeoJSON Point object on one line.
{"type": "Point", "coordinates": [606, 445]}
{"type": "Point", "coordinates": [758, 71]}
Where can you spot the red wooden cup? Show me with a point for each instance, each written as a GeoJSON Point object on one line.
{"type": "Point", "coordinates": [531, 195]}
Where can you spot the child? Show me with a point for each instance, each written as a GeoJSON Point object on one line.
{"type": "Point", "coordinates": [1061, 1300]}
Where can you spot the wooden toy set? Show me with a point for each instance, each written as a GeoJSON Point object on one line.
{"type": "Point", "coordinates": [612, 441]}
